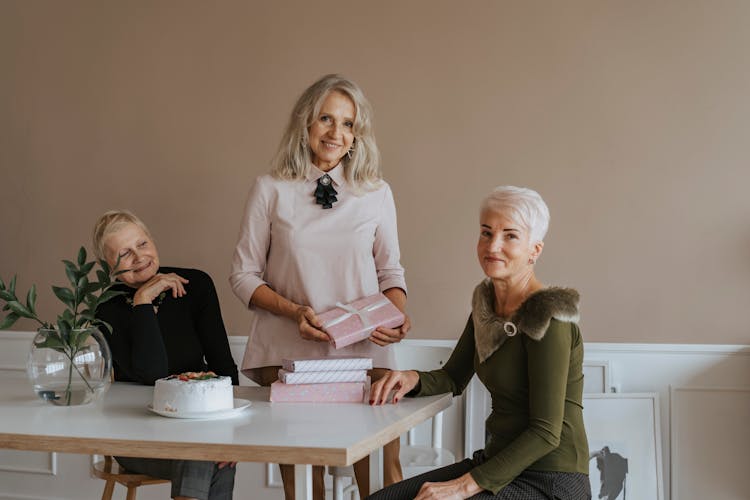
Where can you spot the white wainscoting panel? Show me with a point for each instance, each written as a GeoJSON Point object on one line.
{"type": "Point", "coordinates": [705, 452]}
{"type": "Point", "coordinates": [709, 434]}
{"type": "Point", "coordinates": [33, 462]}
{"type": "Point", "coordinates": [596, 376]}
{"type": "Point", "coordinates": [650, 368]}
{"type": "Point", "coordinates": [16, 345]}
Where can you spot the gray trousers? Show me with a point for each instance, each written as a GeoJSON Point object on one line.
{"type": "Point", "coordinates": [190, 478]}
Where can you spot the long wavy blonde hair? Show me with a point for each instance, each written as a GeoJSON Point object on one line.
{"type": "Point", "coordinates": [293, 158]}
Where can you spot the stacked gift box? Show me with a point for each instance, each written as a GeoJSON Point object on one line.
{"type": "Point", "coordinates": [318, 380]}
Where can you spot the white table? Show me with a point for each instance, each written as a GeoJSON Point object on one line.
{"type": "Point", "coordinates": [303, 434]}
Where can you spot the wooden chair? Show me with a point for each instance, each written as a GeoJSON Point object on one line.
{"type": "Point", "coordinates": [112, 472]}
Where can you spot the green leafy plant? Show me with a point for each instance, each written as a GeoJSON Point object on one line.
{"type": "Point", "coordinates": [74, 325]}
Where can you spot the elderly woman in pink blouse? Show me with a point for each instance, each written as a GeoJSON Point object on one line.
{"type": "Point", "coordinates": [319, 229]}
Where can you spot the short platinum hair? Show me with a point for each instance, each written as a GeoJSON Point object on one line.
{"type": "Point", "coordinates": [523, 205]}
{"type": "Point", "coordinates": [293, 158]}
{"type": "Point", "coordinates": [110, 222]}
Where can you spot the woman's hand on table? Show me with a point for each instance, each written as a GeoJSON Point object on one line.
{"type": "Point", "coordinates": [400, 381]}
{"type": "Point", "coordinates": [309, 325]}
{"type": "Point", "coordinates": [384, 336]}
{"type": "Point", "coordinates": [456, 489]}
{"type": "Point", "coordinates": [151, 289]}
{"type": "Point", "coordinates": [221, 465]}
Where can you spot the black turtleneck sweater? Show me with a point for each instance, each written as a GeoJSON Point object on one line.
{"type": "Point", "coordinates": [186, 334]}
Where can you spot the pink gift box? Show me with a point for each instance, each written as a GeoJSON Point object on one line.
{"type": "Point", "coordinates": [337, 392]}
{"type": "Point", "coordinates": [353, 322]}
{"type": "Point", "coordinates": [322, 377]}
{"type": "Point", "coordinates": [329, 363]}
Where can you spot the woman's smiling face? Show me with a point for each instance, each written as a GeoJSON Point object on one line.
{"type": "Point", "coordinates": [331, 134]}
{"type": "Point", "coordinates": [136, 251]}
{"type": "Point", "coordinates": [504, 249]}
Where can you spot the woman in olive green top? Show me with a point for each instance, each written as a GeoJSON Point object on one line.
{"type": "Point", "coordinates": [523, 343]}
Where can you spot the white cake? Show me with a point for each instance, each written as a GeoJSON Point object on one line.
{"type": "Point", "coordinates": [193, 392]}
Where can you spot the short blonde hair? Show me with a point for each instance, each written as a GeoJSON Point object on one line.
{"type": "Point", "coordinates": [523, 205]}
{"type": "Point", "coordinates": [293, 158]}
{"type": "Point", "coordinates": [112, 221]}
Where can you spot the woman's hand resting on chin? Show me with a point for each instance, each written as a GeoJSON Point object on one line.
{"type": "Point", "coordinates": [151, 289]}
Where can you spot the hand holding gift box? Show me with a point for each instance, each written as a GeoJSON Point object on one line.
{"type": "Point", "coordinates": [353, 322]}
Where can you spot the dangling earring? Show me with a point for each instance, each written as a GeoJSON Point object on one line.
{"type": "Point", "coordinates": [349, 153]}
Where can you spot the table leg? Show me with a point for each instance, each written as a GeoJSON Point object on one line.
{"type": "Point", "coordinates": [303, 482]}
{"type": "Point", "coordinates": [376, 470]}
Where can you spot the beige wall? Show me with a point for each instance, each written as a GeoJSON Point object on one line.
{"type": "Point", "coordinates": [631, 119]}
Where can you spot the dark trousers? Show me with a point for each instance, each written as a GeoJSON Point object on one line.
{"type": "Point", "coordinates": [190, 478]}
{"type": "Point", "coordinates": [529, 485]}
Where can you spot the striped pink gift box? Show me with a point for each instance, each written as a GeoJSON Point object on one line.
{"type": "Point", "coordinates": [331, 363]}
{"type": "Point", "coordinates": [322, 377]}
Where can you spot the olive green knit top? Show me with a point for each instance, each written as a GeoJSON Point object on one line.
{"type": "Point", "coordinates": [535, 379]}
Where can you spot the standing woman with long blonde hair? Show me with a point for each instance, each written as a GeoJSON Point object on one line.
{"type": "Point", "coordinates": [319, 229]}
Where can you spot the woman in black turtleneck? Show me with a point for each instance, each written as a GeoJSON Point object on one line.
{"type": "Point", "coordinates": [168, 322]}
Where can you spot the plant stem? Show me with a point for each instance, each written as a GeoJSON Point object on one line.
{"type": "Point", "coordinates": [81, 374]}
{"type": "Point", "coordinates": [70, 380]}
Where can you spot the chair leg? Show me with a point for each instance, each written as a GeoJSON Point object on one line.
{"type": "Point", "coordinates": [131, 492]}
{"type": "Point", "coordinates": [109, 488]}
{"type": "Point", "coordinates": [338, 488]}
{"type": "Point", "coordinates": [352, 490]}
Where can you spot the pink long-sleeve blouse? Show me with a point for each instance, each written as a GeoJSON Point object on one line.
{"type": "Point", "coordinates": [313, 257]}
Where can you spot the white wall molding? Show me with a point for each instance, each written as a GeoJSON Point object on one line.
{"type": "Point", "coordinates": [20, 335]}
{"type": "Point", "coordinates": [12, 368]}
{"type": "Point", "coordinates": [593, 348]}
{"type": "Point", "coordinates": [15, 496]}
{"type": "Point", "coordinates": [31, 462]}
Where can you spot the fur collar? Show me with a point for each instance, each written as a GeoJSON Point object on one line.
{"type": "Point", "coordinates": [532, 318]}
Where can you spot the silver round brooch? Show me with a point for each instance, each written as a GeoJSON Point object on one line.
{"type": "Point", "coordinates": [510, 328]}
{"type": "Point", "coordinates": [325, 180]}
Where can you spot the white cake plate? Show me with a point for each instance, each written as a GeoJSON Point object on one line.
{"type": "Point", "coordinates": [239, 406]}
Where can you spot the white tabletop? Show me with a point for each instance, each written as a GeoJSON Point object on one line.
{"type": "Point", "coordinates": [121, 424]}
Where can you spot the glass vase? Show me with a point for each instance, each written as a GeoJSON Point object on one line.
{"type": "Point", "coordinates": [72, 369]}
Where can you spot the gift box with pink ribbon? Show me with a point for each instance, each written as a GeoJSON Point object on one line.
{"type": "Point", "coordinates": [347, 324]}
